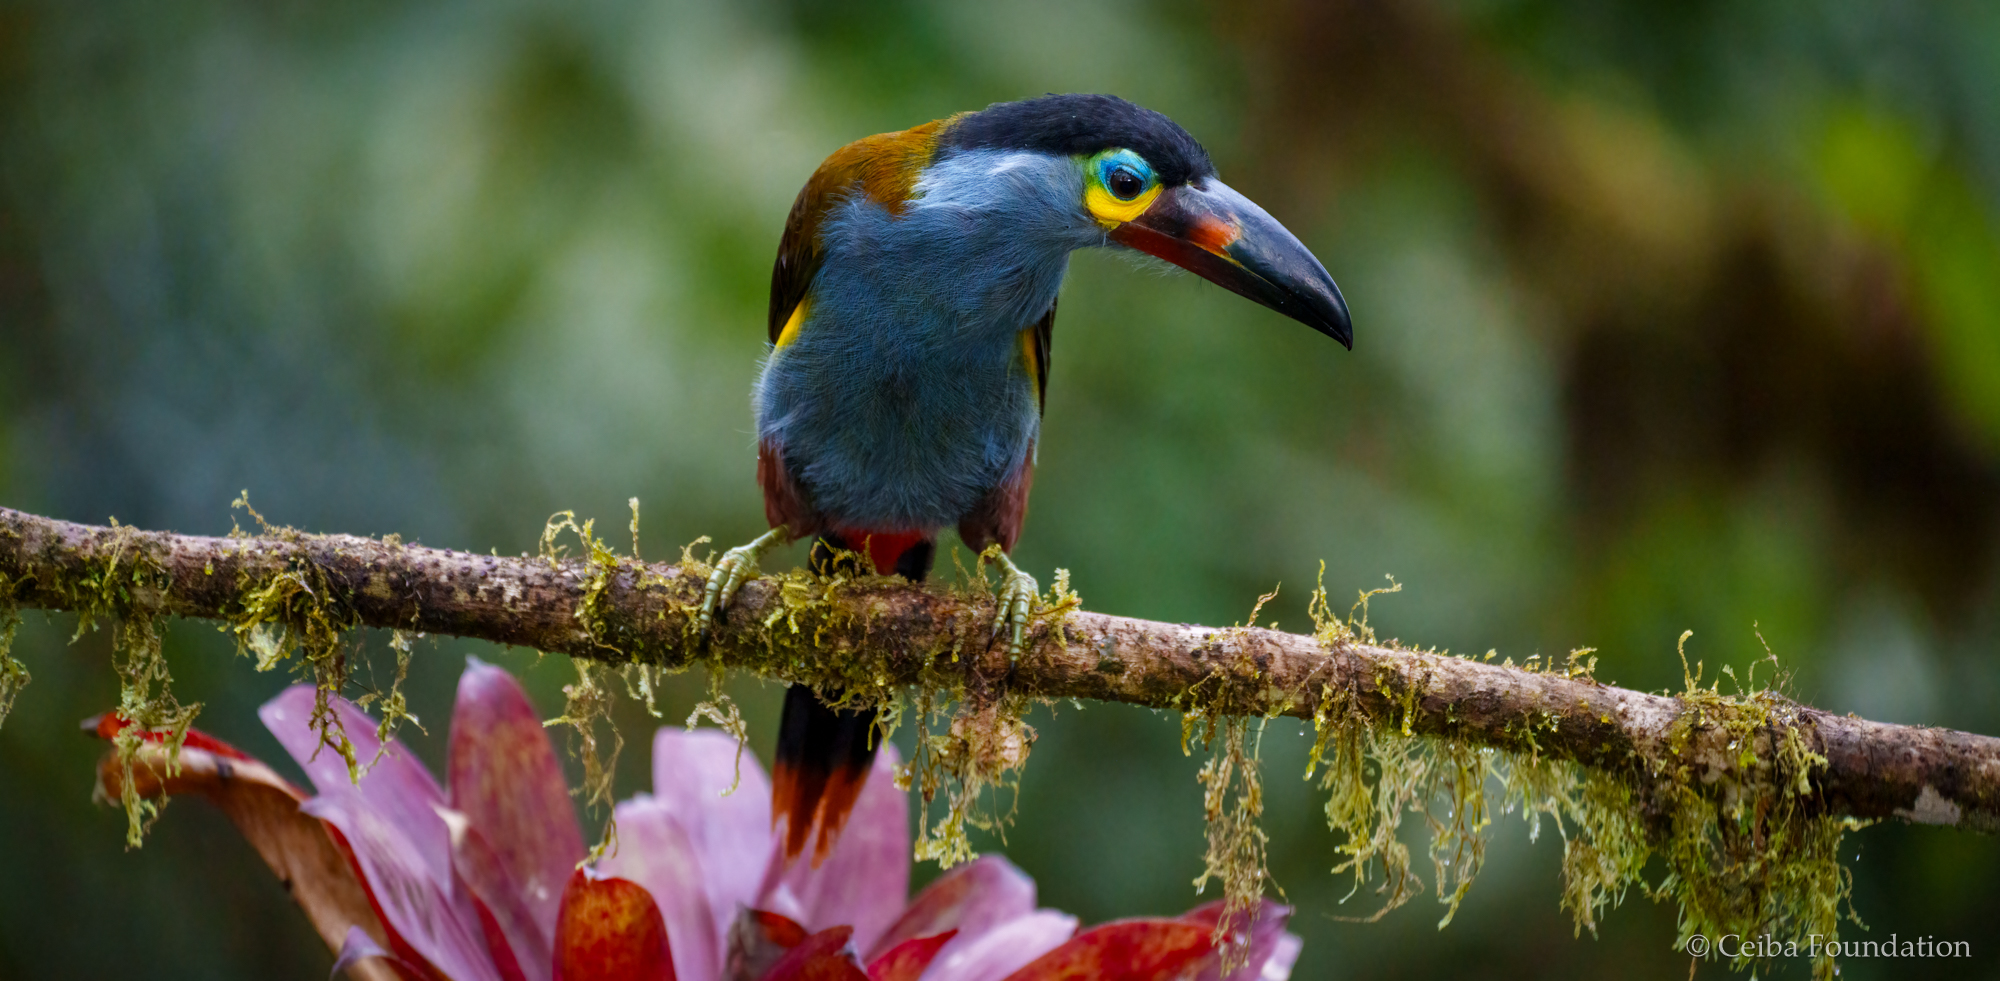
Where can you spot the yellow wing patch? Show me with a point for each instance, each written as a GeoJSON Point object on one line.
{"type": "Point", "coordinates": [1111, 212]}
{"type": "Point", "coordinates": [791, 331]}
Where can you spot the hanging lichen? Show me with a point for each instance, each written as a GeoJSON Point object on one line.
{"type": "Point", "coordinates": [146, 701]}
{"type": "Point", "coordinates": [587, 703]}
{"type": "Point", "coordinates": [978, 756]}
{"type": "Point", "coordinates": [1347, 746]}
{"type": "Point", "coordinates": [390, 704]}
{"type": "Point", "coordinates": [1232, 786]}
{"type": "Point", "coordinates": [1233, 803]}
{"type": "Point", "coordinates": [720, 709]}
{"type": "Point", "coordinates": [1726, 806]}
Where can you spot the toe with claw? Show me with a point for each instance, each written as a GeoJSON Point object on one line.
{"type": "Point", "coordinates": [731, 571]}
{"type": "Point", "coordinates": [1013, 604]}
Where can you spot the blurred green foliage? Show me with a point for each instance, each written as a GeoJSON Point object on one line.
{"type": "Point", "coordinates": [1669, 315]}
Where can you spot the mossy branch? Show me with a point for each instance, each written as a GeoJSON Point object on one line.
{"type": "Point", "coordinates": [880, 633]}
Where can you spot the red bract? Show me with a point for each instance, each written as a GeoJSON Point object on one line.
{"type": "Point", "coordinates": [481, 879]}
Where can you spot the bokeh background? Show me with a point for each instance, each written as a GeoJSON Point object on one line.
{"type": "Point", "coordinates": [1673, 315]}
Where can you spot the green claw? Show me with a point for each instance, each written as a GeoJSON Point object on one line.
{"type": "Point", "coordinates": [1012, 605]}
{"type": "Point", "coordinates": [733, 570]}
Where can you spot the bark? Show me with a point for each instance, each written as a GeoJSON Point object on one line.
{"type": "Point", "coordinates": [892, 633]}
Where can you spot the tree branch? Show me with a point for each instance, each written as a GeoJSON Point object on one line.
{"type": "Point", "coordinates": [881, 632]}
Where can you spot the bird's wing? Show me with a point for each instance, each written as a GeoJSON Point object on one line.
{"type": "Point", "coordinates": [785, 503]}
{"type": "Point", "coordinates": [998, 517]}
{"type": "Point", "coordinates": [799, 255]}
{"type": "Point", "coordinates": [1044, 336]}
{"type": "Point", "coordinates": [883, 168]}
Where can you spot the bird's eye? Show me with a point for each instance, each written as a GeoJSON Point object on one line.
{"type": "Point", "coordinates": [1124, 183]}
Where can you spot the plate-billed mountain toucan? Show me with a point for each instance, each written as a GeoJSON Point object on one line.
{"type": "Point", "coordinates": [912, 309]}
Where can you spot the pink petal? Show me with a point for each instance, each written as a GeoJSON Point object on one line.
{"type": "Point", "coordinates": [1284, 954]}
{"type": "Point", "coordinates": [824, 956]}
{"type": "Point", "coordinates": [517, 942]}
{"type": "Point", "coordinates": [732, 834]}
{"type": "Point", "coordinates": [505, 778]}
{"type": "Point", "coordinates": [397, 787]}
{"type": "Point", "coordinates": [610, 930]}
{"type": "Point", "coordinates": [906, 961]}
{"type": "Point", "coordinates": [1003, 949]}
{"type": "Point", "coordinates": [438, 922]}
{"type": "Point", "coordinates": [655, 851]}
{"type": "Point", "coordinates": [972, 899]}
{"type": "Point", "coordinates": [1266, 936]}
{"type": "Point", "coordinates": [1129, 950]}
{"type": "Point", "coordinates": [865, 879]}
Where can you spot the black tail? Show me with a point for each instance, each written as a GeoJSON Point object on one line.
{"type": "Point", "coordinates": [824, 753]}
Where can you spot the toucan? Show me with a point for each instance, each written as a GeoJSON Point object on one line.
{"type": "Point", "coordinates": [913, 306]}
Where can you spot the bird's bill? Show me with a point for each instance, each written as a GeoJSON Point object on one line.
{"type": "Point", "coordinates": [1225, 238]}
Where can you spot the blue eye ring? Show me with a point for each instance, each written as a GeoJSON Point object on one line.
{"type": "Point", "coordinates": [1124, 174]}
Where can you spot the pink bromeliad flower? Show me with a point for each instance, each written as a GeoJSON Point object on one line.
{"type": "Point", "coordinates": [481, 879]}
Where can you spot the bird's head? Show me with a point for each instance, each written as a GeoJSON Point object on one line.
{"type": "Point", "coordinates": [1148, 185]}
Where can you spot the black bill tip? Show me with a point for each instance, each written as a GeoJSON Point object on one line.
{"type": "Point", "coordinates": [1211, 230]}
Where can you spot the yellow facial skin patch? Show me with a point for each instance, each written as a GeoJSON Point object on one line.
{"type": "Point", "coordinates": [1110, 210]}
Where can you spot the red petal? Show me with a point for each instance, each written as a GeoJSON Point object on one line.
{"type": "Point", "coordinates": [610, 930]}
{"type": "Point", "coordinates": [1129, 950]}
{"type": "Point", "coordinates": [505, 778]}
{"type": "Point", "coordinates": [971, 899]}
{"type": "Point", "coordinates": [824, 956]}
{"type": "Point", "coordinates": [906, 961]}
{"type": "Point", "coordinates": [757, 941]}
{"type": "Point", "coordinates": [110, 724]}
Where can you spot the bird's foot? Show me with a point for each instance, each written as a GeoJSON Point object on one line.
{"type": "Point", "coordinates": [1013, 603]}
{"type": "Point", "coordinates": [733, 570]}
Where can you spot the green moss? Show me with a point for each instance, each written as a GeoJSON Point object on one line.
{"type": "Point", "coordinates": [604, 624]}
{"type": "Point", "coordinates": [13, 674]}
{"type": "Point", "coordinates": [295, 612]}
{"type": "Point", "coordinates": [1745, 851]}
